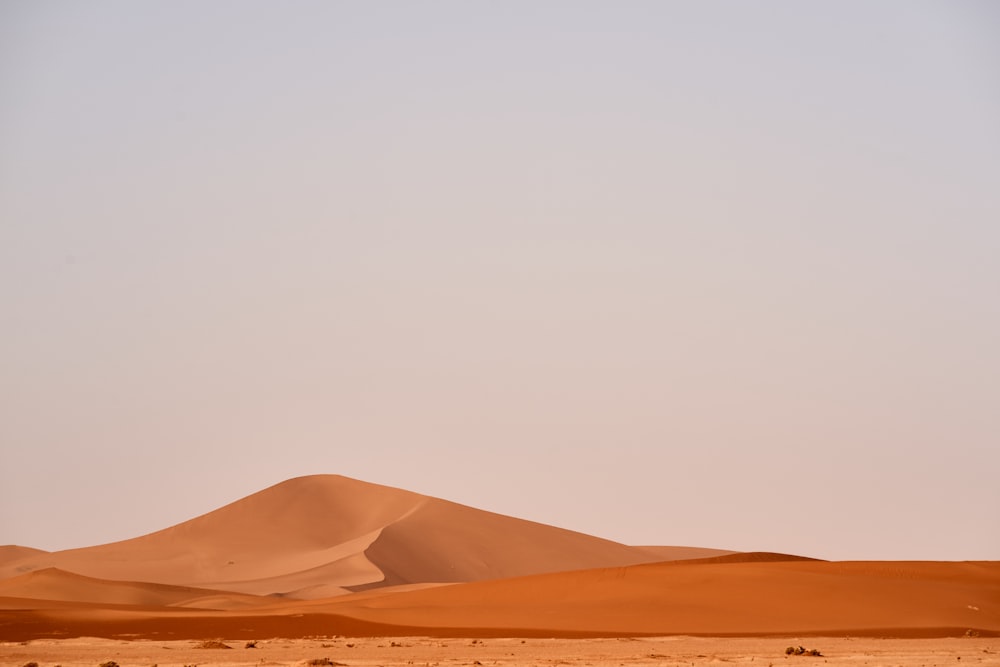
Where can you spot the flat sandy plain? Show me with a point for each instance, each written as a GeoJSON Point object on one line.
{"type": "Point", "coordinates": [510, 652]}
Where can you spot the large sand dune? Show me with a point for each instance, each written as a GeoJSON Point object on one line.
{"type": "Point", "coordinates": [328, 555]}
{"type": "Point", "coordinates": [322, 535]}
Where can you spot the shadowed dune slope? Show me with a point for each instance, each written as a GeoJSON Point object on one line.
{"type": "Point", "coordinates": [446, 542]}
{"type": "Point", "coordinates": [322, 535]}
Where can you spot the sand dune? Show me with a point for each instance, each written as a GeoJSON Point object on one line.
{"type": "Point", "coordinates": [764, 598]}
{"type": "Point", "coordinates": [472, 545]}
{"type": "Point", "coordinates": [350, 558]}
{"type": "Point", "coordinates": [662, 553]}
{"type": "Point", "coordinates": [321, 535]}
{"type": "Point", "coordinates": [300, 525]}
{"type": "Point", "coordinates": [746, 557]}
{"type": "Point", "coordinates": [12, 554]}
{"type": "Point", "coordinates": [808, 597]}
{"type": "Point", "coordinates": [52, 584]}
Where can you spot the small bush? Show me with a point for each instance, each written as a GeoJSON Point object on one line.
{"type": "Point", "coordinates": [323, 662]}
{"type": "Point", "coordinates": [801, 650]}
{"type": "Point", "coordinates": [30, 664]}
{"type": "Point", "coordinates": [251, 644]}
{"type": "Point", "coordinates": [212, 643]}
{"type": "Point", "coordinates": [109, 663]}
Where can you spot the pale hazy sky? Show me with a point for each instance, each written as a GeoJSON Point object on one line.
{"type": "Point", "coordinates": [710, 273]}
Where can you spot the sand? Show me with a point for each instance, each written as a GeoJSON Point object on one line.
{"type": "Point", "coordinates": [326, 555]}
{"type": "Point", "coordinates": [317, 536]}
{"type": "Point", "coordinates": [511, 652]}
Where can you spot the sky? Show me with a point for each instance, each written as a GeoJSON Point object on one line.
{"type": "Point", "coordinates": [719, 274]}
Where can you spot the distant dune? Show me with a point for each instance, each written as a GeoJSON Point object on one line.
{"type": "Point", "coordinates": [681, 553]}
{"type": "Point", "coordinates": [749, 557]}
{"type": "Point", "coordinates": [327, 555]}
{"type": "Point", "coordinates": [12, 554]}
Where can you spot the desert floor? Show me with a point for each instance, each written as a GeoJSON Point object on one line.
{"type": "Point", "coordinates": [425, 652]}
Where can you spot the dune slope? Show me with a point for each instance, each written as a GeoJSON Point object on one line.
{"type": "Point", "coordinates": [54, 585]}
{"type": "Point", "coordinates": [12, 554]}
{"type": "Point", "coordinates": [442, 541]}
{"type": "Point", "coordinates": [724, 598]}
{"type": "Point", "coordinates": [755, 598]}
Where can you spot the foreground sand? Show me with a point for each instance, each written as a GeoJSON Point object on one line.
{"type": "Point", "coordinates": [426, 652]}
